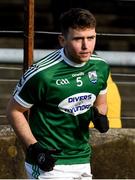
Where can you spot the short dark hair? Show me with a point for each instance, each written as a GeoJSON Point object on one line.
{"type": "Point", "coordinates": [76, 18]}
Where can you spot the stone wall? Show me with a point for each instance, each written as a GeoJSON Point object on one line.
{"type": "Point", "coordinates": [11, 155]}
{"type": "Point", "coordinates": [113, 154]}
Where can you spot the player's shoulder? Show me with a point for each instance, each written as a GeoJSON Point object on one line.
{"type": "Point", "coordinates": [98, 59]}
{"type": "Point", "coordinates": [43, 64]}
{"type": "Point", "coordinates": [49, 58]}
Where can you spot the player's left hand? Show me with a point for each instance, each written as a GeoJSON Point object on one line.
{"type": "Point", "coordinates": [100, 121]}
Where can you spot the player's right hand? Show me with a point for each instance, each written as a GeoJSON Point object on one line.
{"type": "Point", "coordinates": [42, 157]}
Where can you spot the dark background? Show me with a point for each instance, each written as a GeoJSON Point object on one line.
{"type": "Point", "coordinates": [113, 16]}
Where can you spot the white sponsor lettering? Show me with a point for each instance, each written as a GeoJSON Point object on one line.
{"type": "Point", "coordinates": [62, 82]}
{"type": "Point", "coordinates": [79, 74]}
{"type": "Point", "coordinates": [77, 103]}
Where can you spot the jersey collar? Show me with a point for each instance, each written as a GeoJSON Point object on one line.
{"type": "Point", "coordinates": [69, 62]}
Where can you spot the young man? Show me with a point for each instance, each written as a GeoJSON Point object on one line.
{"type": "Point", "coordinates": [61, 91]}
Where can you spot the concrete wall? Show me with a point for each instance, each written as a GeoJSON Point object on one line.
{"type": "Point", "coordinates": [11, 155]}
{"type": "Point", "coordinates": [113, 154]}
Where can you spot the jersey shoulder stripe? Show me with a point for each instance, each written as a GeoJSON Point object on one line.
{"type": "Point", "coordinates": [34, 69]}
{"type": "Point", "coordinates": [96, 57]}
{"type": "Point", "coordinates": [49, 57]}
{"type": "Point", "coordinates": [47, 61]}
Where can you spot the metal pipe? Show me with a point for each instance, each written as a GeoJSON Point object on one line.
{"type": "Point", "coordinates": [28, 33]}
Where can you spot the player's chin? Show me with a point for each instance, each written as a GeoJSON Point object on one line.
{"type": "Point", "coordinates": [84, 59]}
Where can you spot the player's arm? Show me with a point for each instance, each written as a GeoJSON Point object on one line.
{"type": "Point", "coordinates": [101, 103]}
{"type": "Point", "coordinates": [42, 157]}
{"type": "Point", "coordinates": [100, 119]}
{"type": "Point", "coordinates": [15, 115]}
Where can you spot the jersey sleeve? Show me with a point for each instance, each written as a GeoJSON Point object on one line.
{"type": "Point", "coordinates": [105, 74]}
{"type": "Point", "coordinates": [28, 89]}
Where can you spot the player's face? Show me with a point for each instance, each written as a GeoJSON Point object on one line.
{"type": "Point", "coordinates": [79, 44]}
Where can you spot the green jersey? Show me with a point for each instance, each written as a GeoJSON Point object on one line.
{"type": "Point", "coordinates": [60, 94]}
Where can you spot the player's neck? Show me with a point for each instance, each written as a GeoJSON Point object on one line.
{"type": "Point", "coordinates": [70, 62]}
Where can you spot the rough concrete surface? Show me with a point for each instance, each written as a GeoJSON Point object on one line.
{"type": "Point", "coordinates": [113, 154]}
{"type": "Point", "coordinates": [11, 155]}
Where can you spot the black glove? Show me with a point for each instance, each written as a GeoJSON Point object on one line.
{"type": "Point", "coordinates": [42, 157]}
{"type": "Point", "coordinates": [100, 121]}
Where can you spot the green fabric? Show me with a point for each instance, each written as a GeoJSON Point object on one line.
{"type": "Point", "coordinates": [60, 96]}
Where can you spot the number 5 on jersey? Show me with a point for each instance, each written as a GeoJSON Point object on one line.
{"type": "Point", "coordinates": [79, 81]}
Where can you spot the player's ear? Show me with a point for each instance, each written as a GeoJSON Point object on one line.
{"type": "Point", "coordinates": [61, 40]}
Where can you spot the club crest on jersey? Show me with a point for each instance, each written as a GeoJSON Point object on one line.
{"type": "Point", "coordinates": [92, 76]}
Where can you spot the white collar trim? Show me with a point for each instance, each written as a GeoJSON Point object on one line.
{"type": "Point", "coordinates": [69, 62]}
